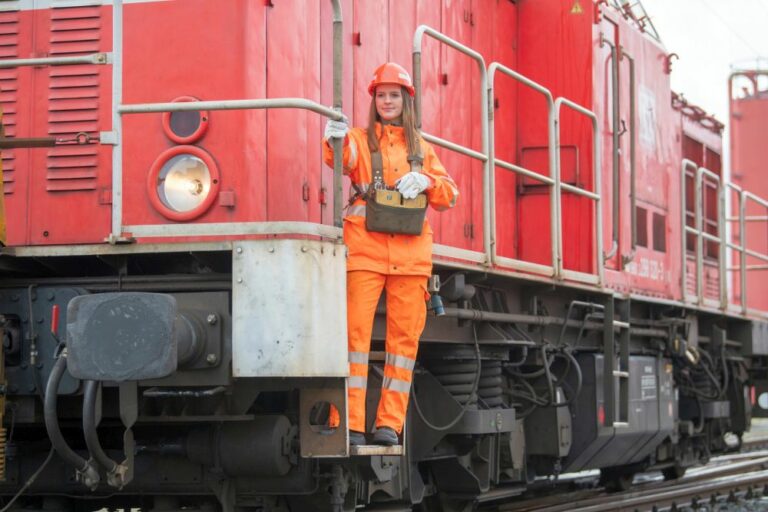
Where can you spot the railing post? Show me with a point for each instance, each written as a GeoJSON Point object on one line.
{"type": "Point", "coordinates": [699, 237]}
{"type": "Point", "coordinates": [554, 199]}
{"type": "Point", "coordinates": [557, 192]}
{"type": "Point", "coordinates": [722, 252]}
{"type": "Point", "coordinates": [338, 70]}
{"type": "Point", "coordinates": [743, 252]}
{"type": "Point", "coordinates": [117, 121]}
{"type": "Point", "coordinates": [687, 164]}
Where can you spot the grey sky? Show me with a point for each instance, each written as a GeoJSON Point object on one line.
{"type": "Point", "coordinates": [709, 36]}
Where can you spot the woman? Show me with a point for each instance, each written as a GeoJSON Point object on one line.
{"type": "Point", "coordinates": [397, 263]}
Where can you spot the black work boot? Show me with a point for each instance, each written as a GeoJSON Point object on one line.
{"type": "Point", "coordinates": [356, 438]}
{"type": "Point", "coordinates": [385, 436]}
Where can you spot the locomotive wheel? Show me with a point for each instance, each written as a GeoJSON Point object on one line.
{"type": "Point", "coordinates": [673, 472]}
{"type": "Point", "coordinates": [442, 503]}
{"type": "Point", "coordinates": [616, 481]}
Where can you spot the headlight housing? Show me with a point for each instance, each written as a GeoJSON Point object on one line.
{"type": "Point", "coordinates": [183, 183]}
{"type": "Point", "coordinates": [185, 127]}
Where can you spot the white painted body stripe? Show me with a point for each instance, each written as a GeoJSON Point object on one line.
{"type": "Point", "coordinates": [28, 5]}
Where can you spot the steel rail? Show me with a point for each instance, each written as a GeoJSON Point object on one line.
{"type": "Point", "coordinates": [647, 493]}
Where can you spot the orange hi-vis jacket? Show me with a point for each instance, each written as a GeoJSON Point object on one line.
{"type": "Point", "coordinates": [381, 252]}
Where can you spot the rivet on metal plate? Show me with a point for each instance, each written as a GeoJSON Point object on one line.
{"type": "Point", "coordinates": [239, 250]}
{"type": "Point", "coordinates": [239, 279]}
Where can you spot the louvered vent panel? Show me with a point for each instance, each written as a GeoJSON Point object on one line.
{"type": "Point", "coordinates": [9, 49]}
{"type": "Point", "coordinates": [73, 96]}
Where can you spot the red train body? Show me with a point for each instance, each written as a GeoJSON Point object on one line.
{"type": "Point", "coordinates": [601, 276]}
{"type": "Point", "coordinates": [269, 162]}
{"type": "Point", "coordinates": [748, 121]}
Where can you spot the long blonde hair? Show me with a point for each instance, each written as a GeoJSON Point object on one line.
{"type": "Point", "coordinates": [412, 134]}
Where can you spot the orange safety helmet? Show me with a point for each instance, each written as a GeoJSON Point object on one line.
{"type": "Point", "coordinates": [391, 73]}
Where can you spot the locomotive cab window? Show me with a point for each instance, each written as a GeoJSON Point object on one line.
{"type": "Point", "coordinates": [659, 232]}
{"type": "Point", "coordinates": [642, 226]}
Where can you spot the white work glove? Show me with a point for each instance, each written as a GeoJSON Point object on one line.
{"type": "Point", "coordinates": [336, 129]}
{"type": "Point", "coordinates": [412, 184]}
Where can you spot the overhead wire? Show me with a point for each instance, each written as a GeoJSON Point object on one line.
{"type": "Point", "coordinates": [730, 28]}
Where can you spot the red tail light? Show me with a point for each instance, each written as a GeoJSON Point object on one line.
{"type": "Point", "coordinates": [55, 319]}
{"type": "Point", "coordinates": [601, 415]}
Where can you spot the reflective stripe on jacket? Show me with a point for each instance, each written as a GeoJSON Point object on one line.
{"type": "Point", "coordinates": [381, 252]}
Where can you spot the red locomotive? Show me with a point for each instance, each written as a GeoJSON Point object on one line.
{"type": "Point", "coordinates": [173, 277]}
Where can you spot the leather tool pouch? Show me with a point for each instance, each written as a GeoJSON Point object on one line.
{"type": "Point", "coordinates": [387, 212]}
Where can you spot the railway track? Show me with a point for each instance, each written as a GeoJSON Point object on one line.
{"type": "Point", "coordinates": [728, 478]}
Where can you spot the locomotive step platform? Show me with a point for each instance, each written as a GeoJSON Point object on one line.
{"type": "Point", "coordinates": [368, 450]}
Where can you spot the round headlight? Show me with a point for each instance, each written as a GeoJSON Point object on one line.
{"type": "Point", "coordinates": [183, 182]}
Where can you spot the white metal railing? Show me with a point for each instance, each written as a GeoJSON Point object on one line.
{"type": "Point", "coordinates": [724, 244]}
{"type": "Point", "coordinates": [594, 196]}
{"type": "Point", "coordinates": [517, 264]}
{"type": "Point", "coordinates": [488, 242]}
{"type": "Point", "coordinates": [698, 174]}
{"type": "Point", "coordinates": [746, 197]}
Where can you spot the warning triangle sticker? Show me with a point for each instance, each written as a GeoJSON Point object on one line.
{"type": "Point", "coordinates": [577, 8]}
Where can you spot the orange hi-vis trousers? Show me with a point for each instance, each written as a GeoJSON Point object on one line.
{"type": "Point", "coordinates": [406, 315]}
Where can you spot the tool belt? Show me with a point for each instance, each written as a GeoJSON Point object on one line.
{"type": "Point", "coordinates": [386, 211]}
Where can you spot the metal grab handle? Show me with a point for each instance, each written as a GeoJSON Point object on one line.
{"type": "Point", "coordinates": [616, 107]}
{"type": "Point", "coordinates": [625, 259]}
{"type": "Point", "coordinates": [80, 138]}
{"type": "Point", "coordinates": [548, 180]}
{"type": "Point", "coordinates": [418, 37]}
{"type": "Point", "coordinates": [94, 58]}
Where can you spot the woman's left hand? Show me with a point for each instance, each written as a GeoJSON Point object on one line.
{"type": "Point", "coordinates": [412, 184]}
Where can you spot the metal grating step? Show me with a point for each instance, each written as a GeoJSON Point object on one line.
{"type": "Point", "coordinates": [368, 450]}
